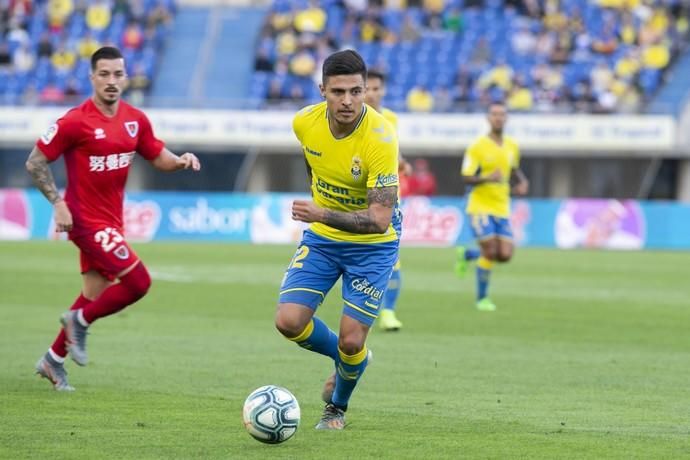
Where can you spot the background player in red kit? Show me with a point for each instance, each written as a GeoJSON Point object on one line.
{"type": "Point", "coordinates": [98, 140]}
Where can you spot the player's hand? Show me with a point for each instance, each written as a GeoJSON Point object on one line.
{"type": "Point", "coordinates": [63, 218]}
{"type": "Point", "coordinates": [306, 211]}
{"type": "Point", "coordinates": [187, 161]}
{"type": "Point", "coordinates": [495, 177]}
{"type": "Point", "coordinates": [521, 188]}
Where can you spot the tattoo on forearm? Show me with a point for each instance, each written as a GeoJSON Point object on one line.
{"type": "Point", "coordinates": [353, 222]}
{"type": "Point", "coordinates": [42, 176]}
{"type": "Point", "coordinates": [385, 196]}
{"type": "Point", "coordinates": [364, 221]}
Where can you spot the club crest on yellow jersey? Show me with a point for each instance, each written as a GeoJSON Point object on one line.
{"type": "Point", "coordinates": [356, 168]}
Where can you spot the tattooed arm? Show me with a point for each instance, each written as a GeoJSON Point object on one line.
{"type": "Point", "coordinates": [375, 219]}
{"type": "Point", "coordinates": [37, 165]}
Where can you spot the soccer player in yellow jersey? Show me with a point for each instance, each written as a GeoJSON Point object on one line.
{"type": "Point", "coordinates": [351, 153]}
{"type": "Point", "coordinates": [490, 165]}
{"type": "Point", "coordinates": [376, 91]}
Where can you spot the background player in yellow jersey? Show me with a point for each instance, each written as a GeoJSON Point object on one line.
{"type": "Point", "coordinates": [376, 91]}
{"type": "Point", "coordinates": [490, 166]}
{"type": "Point", "coordinates": [352, 157]}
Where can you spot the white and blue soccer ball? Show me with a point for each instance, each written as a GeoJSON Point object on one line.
{"type": "Point", "coordinates": [271, 414]}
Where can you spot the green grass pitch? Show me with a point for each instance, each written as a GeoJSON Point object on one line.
{"type": "Point", "coordinates": [588, 356]}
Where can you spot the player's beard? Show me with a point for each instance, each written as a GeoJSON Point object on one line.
{"type": "Point", "coordinates": [351, 117]}
{"type": "Point", "coordinates": [344, 121]}
{"type": "Point", "coordinates": [107, 99]}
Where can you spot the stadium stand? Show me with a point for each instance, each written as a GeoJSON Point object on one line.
{"type": "Point", "coordinates": [447, 55]}
{"type": "Point", "coordinates": [45, 45]}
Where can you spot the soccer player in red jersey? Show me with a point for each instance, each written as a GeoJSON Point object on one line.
{"type": "Point", "coordinates": [98, 140]}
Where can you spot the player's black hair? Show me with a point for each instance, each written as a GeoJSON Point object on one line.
{"type": "Point", "coordinates": [497, 102]}
{"type": "Point", "coordinates": [377, 74]}
{"type": "Point", "coordinates": [347, 62]}
{"type": "Point", "coordinates": [106, 52]}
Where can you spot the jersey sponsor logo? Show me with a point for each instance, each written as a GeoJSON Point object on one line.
{"type": "Point", "coordinates": [365, 287]}
{"type": "Point", "coordinates": [385, 180]}
{"type": "Point", "coordinates": [312, 152]}
{"type": "Point", "coordinates": [343, 194]}
{"type": "Point", "coordinates": [371, 305]}
{"type": "Point", "coordinates": [50, 133]}
{"type": "Point", "coordinates": [132, 128]}
{"type": "Point", "coordinates": [356, 168]}
{"type": "Point", "coordinates": [99, 133]}
{"type": "Point", "coordinates": [112, 162]}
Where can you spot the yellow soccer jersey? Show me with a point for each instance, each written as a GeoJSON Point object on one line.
{"type": "Point", "coordinates": [343, 169]}
{"type": "Point", "coordinates": [485, 156]}
{"type": "Point", "coordinates": [391, 117]}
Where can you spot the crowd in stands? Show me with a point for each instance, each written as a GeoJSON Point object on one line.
{"type": "Point", "coordinates": [594, 56]}
{"type": "Point", "coordinates": [46, 46]}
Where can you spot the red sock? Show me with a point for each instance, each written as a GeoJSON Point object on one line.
{"type": "Point", "coordinates": [59, 346]}
{"type": "Point", "coordinates": [132, 287]}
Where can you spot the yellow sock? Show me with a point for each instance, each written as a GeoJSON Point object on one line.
{"type": "Point", "coordinates": [484, 263]}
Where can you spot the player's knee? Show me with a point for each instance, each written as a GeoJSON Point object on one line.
{"type": "Point", "coordinates": [288, 325]}
{"type": "Point", "coordinates": [490, 254]}
{"type": "Point", "coordinates": [138, 281]}
{"type": "Point", "coordinates": [504, 256]}
{"type": "Point", "coordinates": [350, 344]}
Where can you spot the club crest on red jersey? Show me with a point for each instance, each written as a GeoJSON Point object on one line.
{"type": "Point", "coordinates": [132, 128]}
{"type": "Point", "coordinates": [122, 252]}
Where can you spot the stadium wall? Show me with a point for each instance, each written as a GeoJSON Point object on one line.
{"type": "Point", "coordinates": [265, 218]}
{"type": "Point", "coordinates": [648, 135]}
{"type": "Point", "coordinates": [638, 157]}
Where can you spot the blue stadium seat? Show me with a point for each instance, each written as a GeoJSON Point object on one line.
{"type": "Point", "coordinates": [74, 29]}
{"type": "Point", "coordinates": [649, 80]}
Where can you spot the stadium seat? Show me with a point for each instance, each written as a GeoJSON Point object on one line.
{"type": "Point", "coordinates": [74, 28]}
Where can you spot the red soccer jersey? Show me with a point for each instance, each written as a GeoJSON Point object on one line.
{"type": "Point", "coordinates": [98, 152]}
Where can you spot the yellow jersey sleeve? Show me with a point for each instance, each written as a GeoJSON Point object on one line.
{"type": "Point", "coordinates": [301, 121]}
{"type": "Point", "coordinates": [470, 163]}
{"type": "Point", "coordinates": [382, 158]}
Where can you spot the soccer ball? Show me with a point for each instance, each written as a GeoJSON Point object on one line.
{"type": "Point", "coordinates": [271, 414]}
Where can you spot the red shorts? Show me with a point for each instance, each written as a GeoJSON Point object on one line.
{"type": "Point", "coordinates": [105, 251]}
